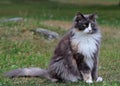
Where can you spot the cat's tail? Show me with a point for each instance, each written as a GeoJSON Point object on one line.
{"type": "Point", "coordinates": [30, 72]}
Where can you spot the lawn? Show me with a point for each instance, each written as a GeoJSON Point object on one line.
{"type": "Point", "coordinates": [20, 48]}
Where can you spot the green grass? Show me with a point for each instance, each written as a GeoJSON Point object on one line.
{"type": "Point", "coordinates": [21, 48]}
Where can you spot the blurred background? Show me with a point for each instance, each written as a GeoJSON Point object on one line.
{"type": "Point", "coordinates": [20, 47]}
{"type": "Point", "coordinates": [108, 10]}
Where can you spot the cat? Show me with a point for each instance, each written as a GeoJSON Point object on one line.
{"type": "Point", "coordinates": [75, 57]}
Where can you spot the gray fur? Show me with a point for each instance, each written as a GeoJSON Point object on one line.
{"type": "Point", "coordinates": [27, 72]}
{"type": "Point", "coordinates": [67, 63]}
{"type": "Point", "coordinates": [61, 70]}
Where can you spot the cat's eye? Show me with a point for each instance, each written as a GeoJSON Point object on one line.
{"type": "Point", "coordinates": [84, 25]}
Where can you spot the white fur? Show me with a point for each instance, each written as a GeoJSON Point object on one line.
{"type": "Point", "coordinates": [99, 79]}
{"type": "Point", "coordinates": [89, 81]}
{"type": "Point", "coordinates": [88, 29]}
{"type": "Point", "coordinates": [86, 44]}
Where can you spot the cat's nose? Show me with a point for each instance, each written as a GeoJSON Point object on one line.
{"type": "Point", "coordinates": [90, 31]}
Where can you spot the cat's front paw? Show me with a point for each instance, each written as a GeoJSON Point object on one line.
{"type": "Point", "coordinates": [99, 79]}
{"type": "Point", "coordinates": [89, 81]}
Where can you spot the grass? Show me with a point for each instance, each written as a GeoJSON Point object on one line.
{"type": "Point", "coordinates": [21, 48]}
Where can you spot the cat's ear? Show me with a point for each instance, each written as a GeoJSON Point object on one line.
{"type": "Point", "coordinates": [79, 16]}
{"type": "Point", "coordinates": [93, 17]}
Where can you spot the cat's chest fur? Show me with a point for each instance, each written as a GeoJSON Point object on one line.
{"type": "Point", "coordinates": [87, 45]}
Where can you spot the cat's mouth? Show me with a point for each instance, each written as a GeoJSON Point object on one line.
{"type": "Point", "coordinates": [90, 32]}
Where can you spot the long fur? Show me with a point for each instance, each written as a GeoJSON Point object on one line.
{"type": "Point", "coordinates": [26, 72]}
{"type": "Point", "coordinates": [87, 45]}
{"type": "Point", "coordinates": [75, 57]}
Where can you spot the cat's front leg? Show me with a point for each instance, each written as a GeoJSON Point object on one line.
{"type": "Point", "coordinates": [95, 72]}
{"type": "Point", "coordinates": [95, 76]}
{"type": "Point", "coordinates": [87, 76]}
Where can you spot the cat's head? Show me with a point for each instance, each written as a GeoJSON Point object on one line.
{"type": "Point", "coordinates": [85, 23]}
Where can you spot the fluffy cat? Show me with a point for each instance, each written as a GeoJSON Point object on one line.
{"type": "Point", "coordinates": [75, 57]}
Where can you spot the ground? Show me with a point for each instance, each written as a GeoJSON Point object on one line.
{"type": "Point", "coordinates": [20, 48]}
